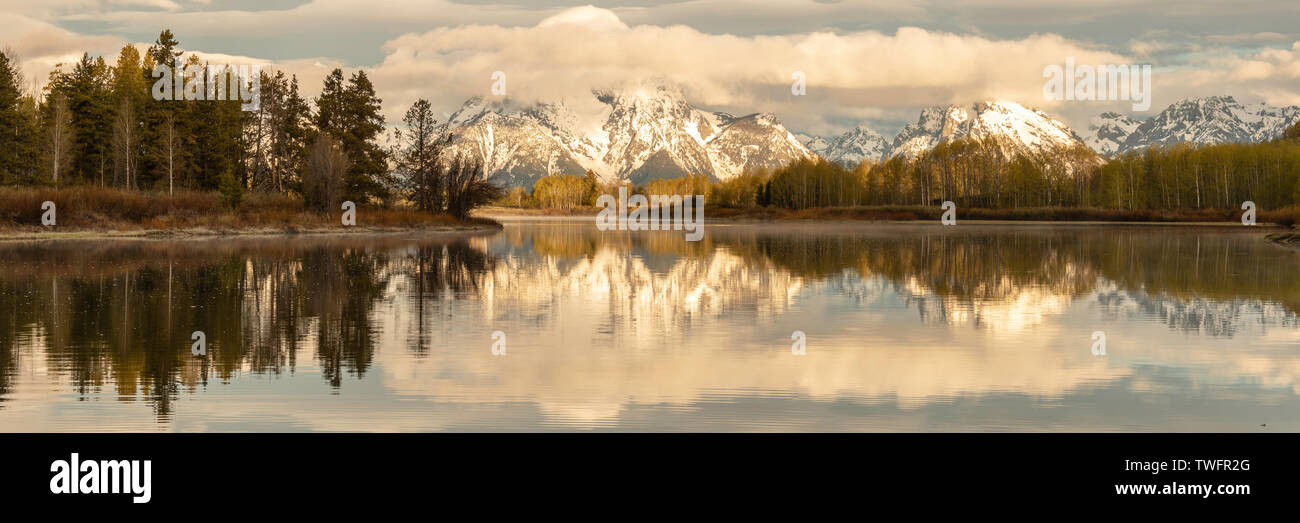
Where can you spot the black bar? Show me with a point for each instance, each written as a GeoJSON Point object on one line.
{"type": "Point", "coordinates": [285, 471]}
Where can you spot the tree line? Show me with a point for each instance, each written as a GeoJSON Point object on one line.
{"type": "Point", "coordinates": [97, 123]}
{"type": "Point", "coordinates": [984, 173]}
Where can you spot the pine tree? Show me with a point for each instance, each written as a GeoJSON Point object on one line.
{"type": "Point", "coordinates": [128, 92]}
{"type": "Point", "coordinates": [351, 113]}
{"type": "Point", "coordinates": [418, 157]}
{"type": "Point", "coordinates": [87, 91]}
{"type": "Point", "coordinates": [18, 132]}
{"type": "Point", "coordinates": [165, 127]}
{"type": "Point", "coordinates": [277, 133]}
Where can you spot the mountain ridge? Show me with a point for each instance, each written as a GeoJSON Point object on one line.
{"type": "Point", "coordinates": [634, 134]}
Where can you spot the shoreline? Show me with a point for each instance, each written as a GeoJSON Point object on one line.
{"type": "Point", "coordinates": [207, 233]}
{"type": "Point", "coordinates": [902, 214]}
{"type": "Point", "coordinates": [1286, 237]}
{"type": "Point", "coordinates": [747, 220]}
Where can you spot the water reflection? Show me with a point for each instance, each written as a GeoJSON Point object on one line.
{"type": "Point", "coordinates": [649, 332]}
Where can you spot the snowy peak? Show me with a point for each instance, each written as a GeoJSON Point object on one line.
{"type": "Point", "coordinates": [1016, 128]}
{"type": "Point", "coordinates": [1211, 120]}
{"type": "Point", "coordinates": [816, 144]}
{"type": "Point", "coordinates": [850, 148]}
{"type": "Point", "coordinates": [753, 142]}
{"type": "Point", "coordinates": [637, 133]}
{"type": "Point", "coordinates": [1108, 131]}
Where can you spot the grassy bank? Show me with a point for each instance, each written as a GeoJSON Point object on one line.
{"type": "Point", "coordinates": [1285, 216]}
{"type": "Point", "coordinates": [106, 210]}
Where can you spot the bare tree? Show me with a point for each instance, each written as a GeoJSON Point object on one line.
{"type": "Point", "coordinates": [168, 149]}
{"type": "Point", "coordinates": [466, 186]}
{"type": "Point", "coordinates": [60, 139]}
{"type": "Point", "coordinates": [125, 137]}
{"type": "Point", "coordinates": [323, 177]}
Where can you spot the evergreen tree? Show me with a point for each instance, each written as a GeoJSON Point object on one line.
{"type": "Point", "coordinates": [277, 133]}
{"type": "Point", "coordinates": [87, 91]}
{"type": "Point", "coordinates": [351, 113]}
{"type": "Point", "coordinates": [165, 133]}
{"type": "Point", "coordinates": [128, 93]}
{"type": "Point", "coordinates": [19, 137]}
{"type": "Point", "coordinates": [418, 157]}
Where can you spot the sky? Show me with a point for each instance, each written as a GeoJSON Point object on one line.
{"type": "Point", "coordinates": [869, 62]}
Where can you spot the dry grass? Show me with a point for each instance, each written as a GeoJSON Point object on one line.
{"type": "Point", "coordinates": [1289, 216]}
{"type": "Point", "coordinates": [106, 209]}
{"type": "Point", "coordinates": [1286, 216]}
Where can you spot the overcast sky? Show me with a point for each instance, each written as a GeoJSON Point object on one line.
{"type": "Point", "coordinates": [866, 62]}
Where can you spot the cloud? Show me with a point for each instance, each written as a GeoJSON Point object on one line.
{"type": "Point", "coordinates": [41, 45]}
{"type": "Point", "coordinates": [736, 57]}
{"type": "Point", "coordinates": [864, 73]}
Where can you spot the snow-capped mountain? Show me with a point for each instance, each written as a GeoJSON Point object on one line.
{"type": "Point", "coordinates": [1108, 131]}
{"type": "Point", "coordinates": [637, 133]}
{"type": "Point", "coordinates": [851, 147]}
{"type": "Point", "coordinates": [1016, 128]}
{"type": "Point", "coordinates": [816, 144]}
{"type": "Point", "coordinates": [1211, 120]}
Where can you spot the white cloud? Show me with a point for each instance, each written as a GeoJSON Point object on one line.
{"type": "Point", "coordinates": [41, 45]}
{"type": "Point", "coordinates": [861, 73]}
{"type": "Point", "coordinates": [853, 76]}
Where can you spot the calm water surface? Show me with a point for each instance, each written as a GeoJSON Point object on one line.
{"type": "Point", "coordinates": [908, 328]}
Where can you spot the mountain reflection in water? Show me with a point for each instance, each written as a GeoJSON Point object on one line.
{"type": "Point", "coordinates": [909, 327]}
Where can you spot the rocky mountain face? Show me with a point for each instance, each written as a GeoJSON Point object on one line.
{"type": "Point", "coordinates": [851, 147]}
{"type": "Point", "coordinates": [1208, 120]}
{"type": "Point", "coordinates": [635, 134]}
{"type": "Point", "coordinates": [1016, 128]}
{"type": "Point", "coordinates": [651, 131]}
{"type": "Point", "coordinates": [1108, 131]}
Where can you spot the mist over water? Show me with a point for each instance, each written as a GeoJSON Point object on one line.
{"type": "Point", "coordinates": [908, 328]}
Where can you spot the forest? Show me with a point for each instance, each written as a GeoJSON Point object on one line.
{"type": "Point", "coordinates": [96, 135]}
{"type": "Point", "coordinates": [1181, 182]}
{"type": "Point", "coordinates": [95, 138]}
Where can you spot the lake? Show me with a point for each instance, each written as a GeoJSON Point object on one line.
{"type": "Point", "coordinates": [554, 325]}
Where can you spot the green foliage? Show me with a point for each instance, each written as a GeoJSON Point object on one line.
{"type": "Point", "coordinates": [351, 113]}
{"type": "Point", "coordinates": [1292, 133]}
{"type": "Point", "coordinates": [515, 197]}
{"type": "Point", "coordinates": [98, 124]}
{"type": "Point", "coordinates": [231, 189]}
{"type": "Point", "coordinates": [418, 156]}
{"type": "Point", "coordinates": [813, 182]}
{"type": "Point", "coordinates": [1213, 176]}
{"type": "Point", "coordinates": [19, 143]}
{"type": "Point", "coordinates": [740, 192]}
{"type": "Point", "coordinates": [563, 191]}
{"type": "Point", "coordinates": [685, 186]}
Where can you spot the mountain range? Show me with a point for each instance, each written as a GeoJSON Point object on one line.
{"type": "Point", "coordinates": [649, 130]}
{"type": "Point", "coordinates": [635, 134]}
{"type": "Point", "coordinates": [1208, 120]}
{"type": "Point", "coordinates": [1203, 121]}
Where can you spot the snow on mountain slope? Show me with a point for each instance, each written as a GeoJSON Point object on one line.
{"type": "Point", "coordinates": [1016, 128]}
{"type": "Point", "coordinates": [1211, 120]}
{"type": "Point", "coordinates": [851, 147]}
{"type": "Point", "coordinates": [815, 144]}
{"type": "Point", "coordinates": [753, 142]}
{"type": "Point", "coordinates": [1108, 131]}
{"type": "Point", "coordinates": [636, 133]}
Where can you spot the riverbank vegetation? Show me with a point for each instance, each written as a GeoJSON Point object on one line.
{"type": "Point", "coordinates": [1174, 183]}
{"type": "Point", "coordinates": [108, 152]}
{"type": "Point", "coordinates": [115, 209]}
